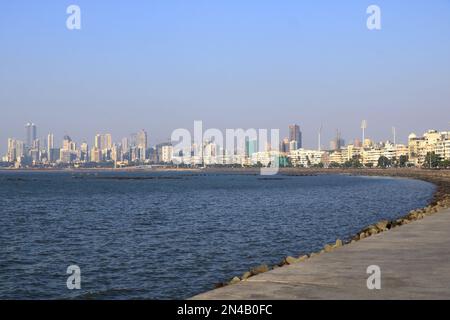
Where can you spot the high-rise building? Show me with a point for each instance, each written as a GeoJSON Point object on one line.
{"type": "Point", "coordinates": [96, 155]}
{"type": "Point", "coordinates": [103, 141]}
{"type": "Point", "coordinates": [251, 147]}
{"type": "Point", "coordinates": [31, 133]}
{"type": "Point", "coordinates": [125, 145]}
{"type": "Point", "coordinates": [11, 155]}
{"type": "Point", "coordinates": [54, 155]}
{"type": "Point", "coordinates": [84, 152]}
{"type": "Point", "coordinates": [167, 153]}
{"type": "Point", "coordinates": [50, 143]}
{"type": "Point", "coordinates": [68, 152]}
{"type": "Point", "coordinates": [295, 135]}
{"type": "Point", "coordinates": [337, 143]}
{"type": "Point", "coordinates": [284, 145]}
{"type": "Point", "coordinates": [141, 144]}
{"type": "Point", "coordinates": [68, 144]}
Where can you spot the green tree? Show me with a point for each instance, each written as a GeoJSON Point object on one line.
{"type": "Point", "coordinates": [384, 162]}
{"type": "Point", "coordinates": [432, 160]}
{"type": "Point", "coordinates": [353, 163]}
{"type": "Point", "coordinates": [394, 162]}
{"type": "Point", "coordinates": [445, 164]}
{"type": "Point", "coordinates": [403, 160]}
{"type": "Point", "coordinates": [334, 165]}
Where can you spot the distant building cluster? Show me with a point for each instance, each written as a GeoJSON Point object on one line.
{"type": "Point", "coordinates": [32, 152]}
{"type": "Point", "coordinates": [432, 148]}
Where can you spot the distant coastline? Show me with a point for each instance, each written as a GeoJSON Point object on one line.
{"type": "Point", "coordinates": [431, 175]}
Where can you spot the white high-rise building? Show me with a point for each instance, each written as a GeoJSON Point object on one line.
{"type": "Point", "coordinates": [141, 144]}
{"type": "Point", "coordinates": [50, 143]}
{"type": "Point", "coordinates": [103, 141]}
{"type": "Point", "coordinates": [167, 153]}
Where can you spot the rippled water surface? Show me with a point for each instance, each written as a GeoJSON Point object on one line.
{"type": "Point", "coordinates": [173, 235]}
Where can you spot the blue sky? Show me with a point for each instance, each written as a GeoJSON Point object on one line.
{"type": "Point", "coordinates": [160, 65]}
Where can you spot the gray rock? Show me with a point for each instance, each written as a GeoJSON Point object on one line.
{"type": "Point", "coordinates": [259, 269]}
{"type": "Point", "coordinates": [382, 225]}
{"type": "Point", "coordinates": [235, 280]}
{"type": "Point", "coordinates": [338, 243]}
{"type": "Point", "coordinates": [246, 275]}
{"type": "Point", "coordinates": [291, 260]}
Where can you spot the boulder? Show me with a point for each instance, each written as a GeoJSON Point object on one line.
{"type": "Point", "coordinates": [382, 225]}
{"type": "Point", "coordinates": [328, 248]}
{"type": "Point", "coordinates": [246, 275]}
{"type": "Point", "coordinates": [259, 269]}
{"type": "Point", "coordinates": [368, 228]}
{"type": "Point", "coordinates": [235, 280]}
{"type": "Point", "coordinates": [338, 243]}
{"type": "Point", "coordinates": [291, 260]}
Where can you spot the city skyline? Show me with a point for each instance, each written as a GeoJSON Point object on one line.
{"type": "Point", "coordinates": [292, 132]}
{"type": "Point", "coordinates": [107, 138]}
{"type": "Point", "coordinates": [247, 148]}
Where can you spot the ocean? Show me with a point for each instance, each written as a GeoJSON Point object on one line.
{"type": "Point", "coordinates": [171, 235]}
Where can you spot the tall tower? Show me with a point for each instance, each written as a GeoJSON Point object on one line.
{"type": "Point", "coordinates": [295, 135]}
{"type": "Point", "coordinates": [394, 135]}
{"type": "Point", "coordinates": [142, 143]}
{"type": "Point", "coordinates": [319, 147]}
{"type": "Point", "coordinates": [31, 133]}
{"type": "Point", "coordinates": [363, 128]}
{"type": "Point", "coordinates": [50, 143]}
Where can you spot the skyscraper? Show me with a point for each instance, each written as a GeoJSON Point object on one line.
{"type": "Point", "coordinates": [84, 152]}
{"type": "Point", "coordinates": [50, 144]}
{"type": "Point", "coordinates": [141, 144]}
{"type": "Point", "coordinates": [31, 133]}
{"type": "Point", "coordinates": [11, 150]}
{"type": "Point", "coordinates": [295, 135]}
{"type": "Point", "coordinates": [337, 143]}
{"type": "Point", "coordinates": [103, 141]}
{"type": "Point", "coordinates": [125, 145]}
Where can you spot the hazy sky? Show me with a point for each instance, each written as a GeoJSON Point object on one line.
{"type": "Point", "coordinates": [161, 64]}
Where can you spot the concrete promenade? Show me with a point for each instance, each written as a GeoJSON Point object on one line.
{"type": "Point", "coordinates": [414, 261]}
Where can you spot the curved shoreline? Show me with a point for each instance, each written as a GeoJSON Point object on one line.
{"type": "Point", "coordinates": [440, 201]}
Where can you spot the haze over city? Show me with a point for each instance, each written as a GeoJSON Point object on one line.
{"type": "Point", "coordinates": [161, 65]}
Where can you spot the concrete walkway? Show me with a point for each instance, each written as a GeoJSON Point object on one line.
{"type": "Point", "coordinates": [414, 260]}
